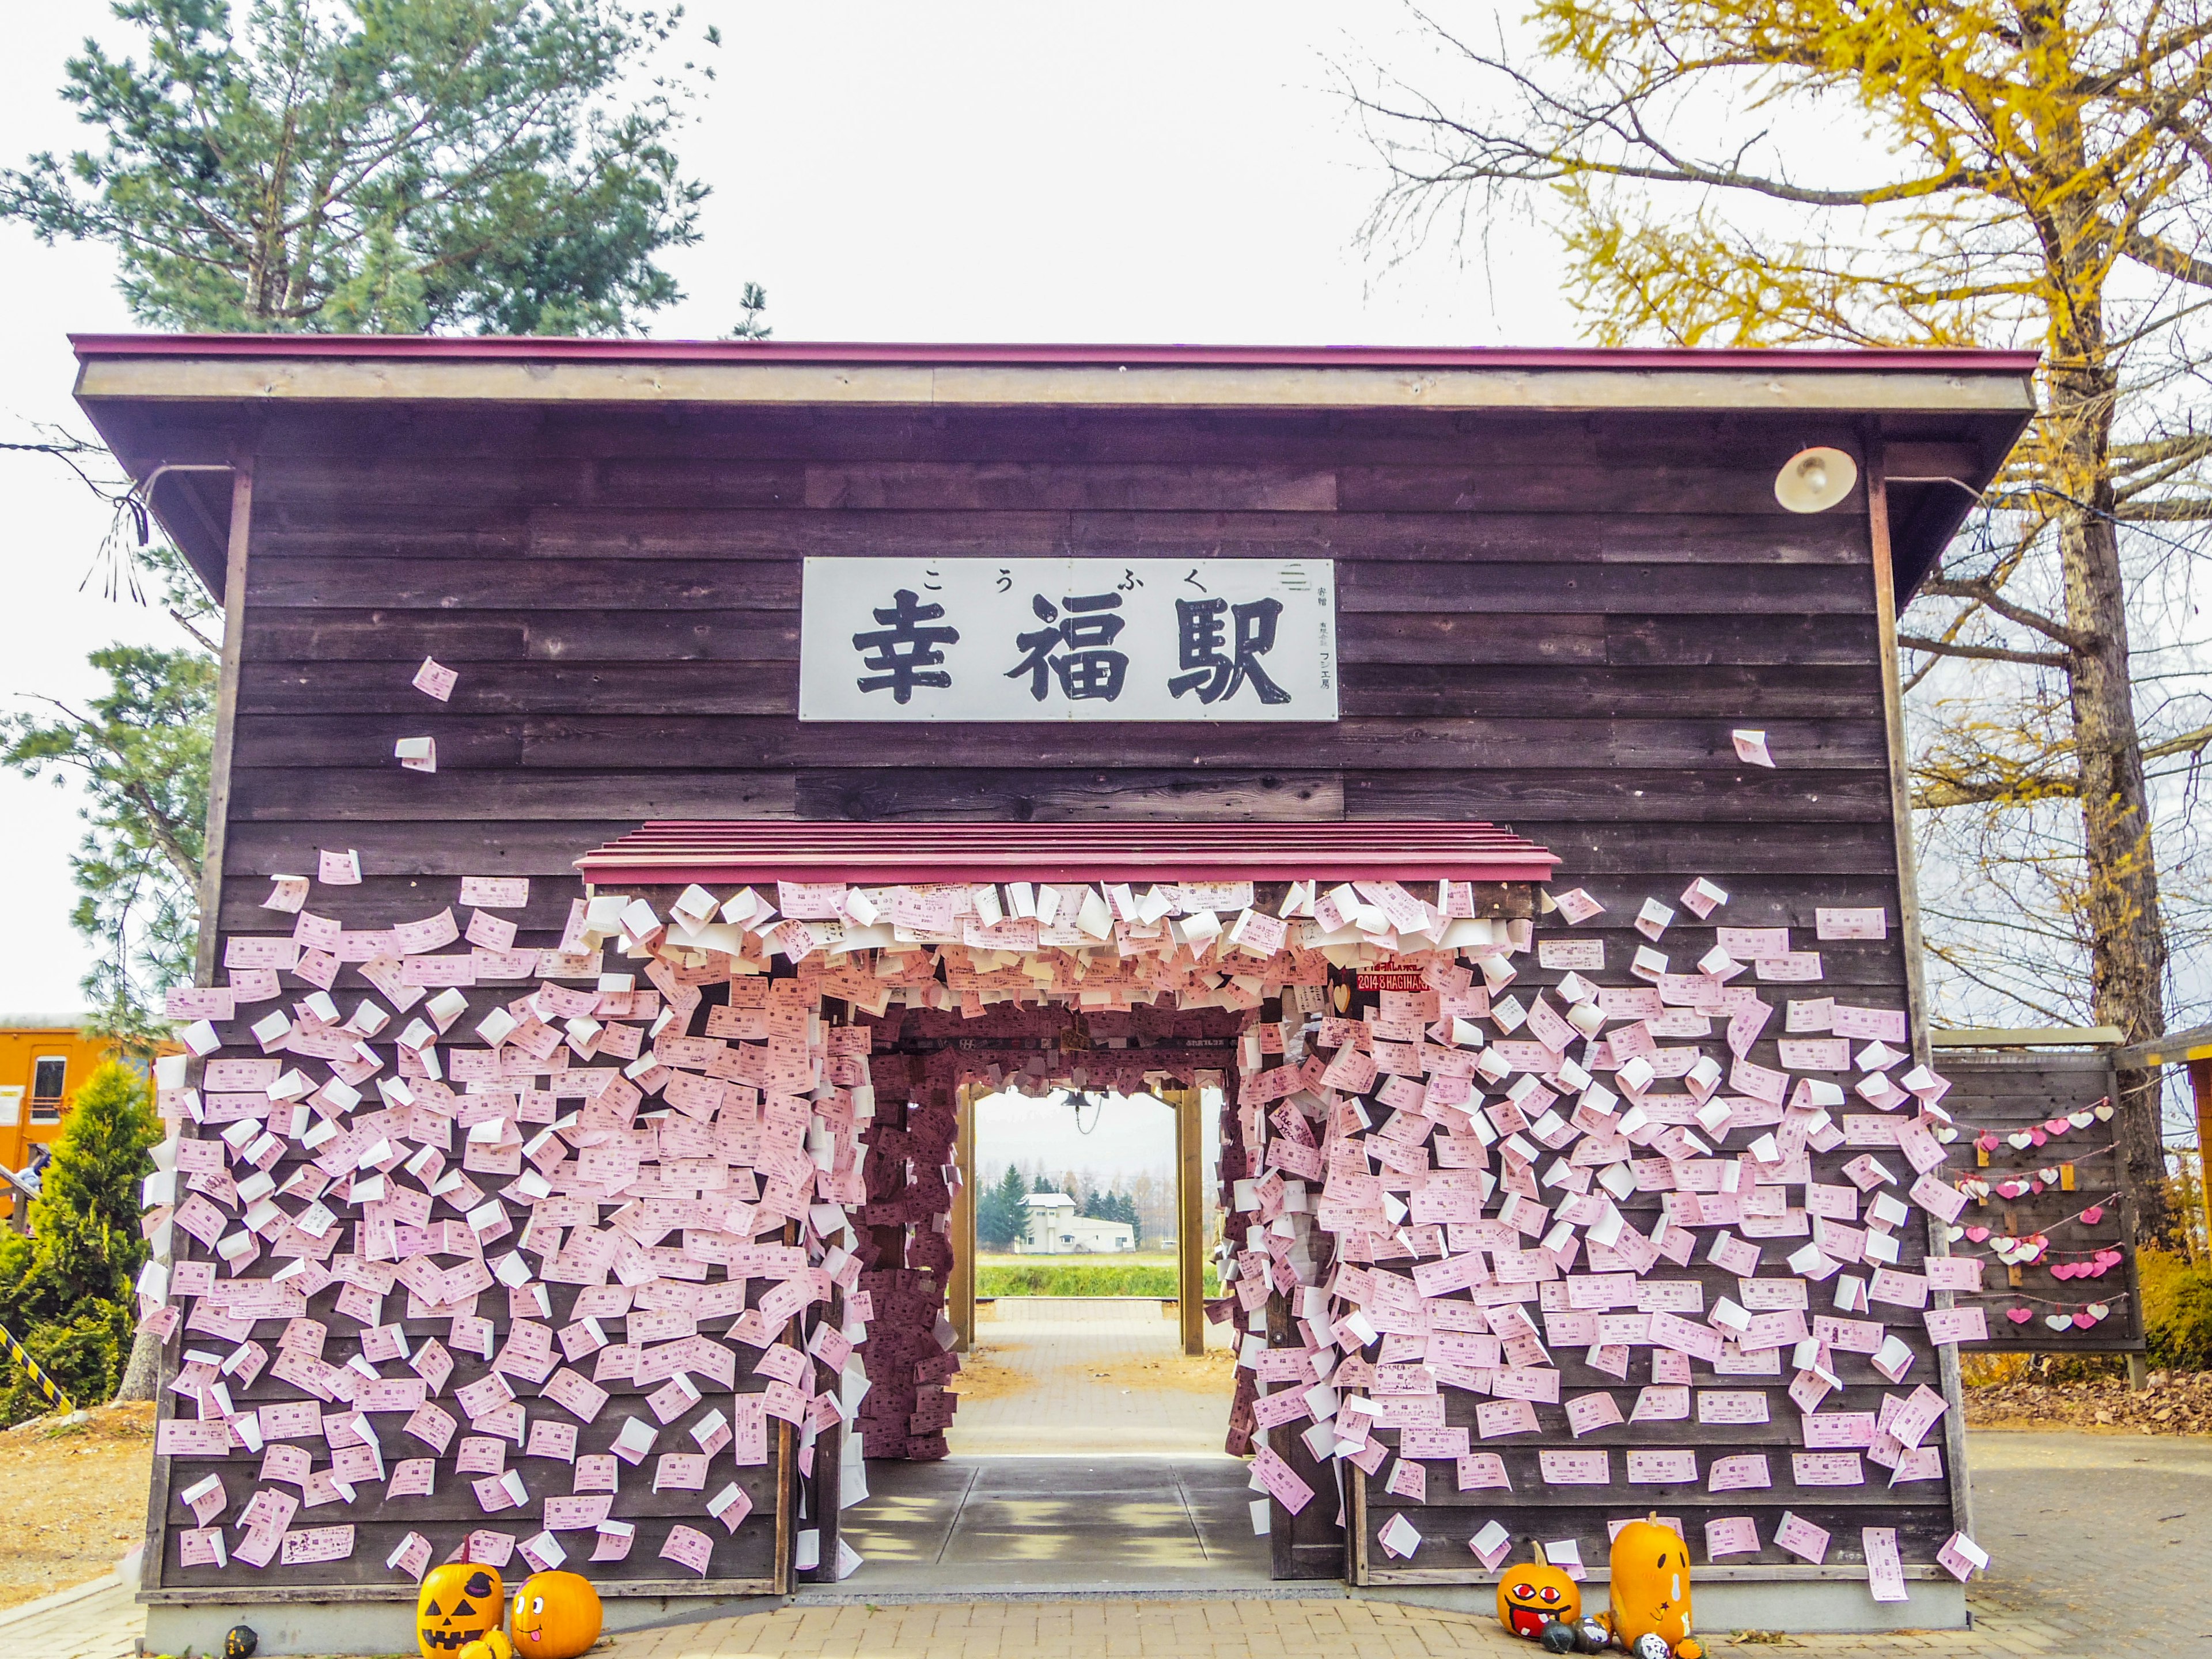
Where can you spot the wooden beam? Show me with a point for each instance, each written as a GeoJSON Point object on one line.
{"type": "Point", "coordinates": [1908, 938]}
{"type": "Point", "coordinates": [2200, 1086]}
{"type": "Point", "coordinates": [226, 722]}
{"type": "Point", "coordinates": [960, 1294]}
{"type": "Point", "coordinates": [1190, 1211]}
{"type": "Point", "coordinates": [2051, 1037]}
{"type": "Point", "coordinates": [265, 381]}
{"type": "Point", "coordinates": [2172, 1049]}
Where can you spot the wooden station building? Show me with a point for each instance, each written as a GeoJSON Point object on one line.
{"type": "Point", "coordinates": [1276, 617]}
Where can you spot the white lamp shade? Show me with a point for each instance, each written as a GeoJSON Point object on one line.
{"type": "Point", "coordinates": [1814, 480]}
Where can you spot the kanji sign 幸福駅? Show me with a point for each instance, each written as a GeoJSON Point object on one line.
{"type": "Point", "coordinates": [1068, 639]}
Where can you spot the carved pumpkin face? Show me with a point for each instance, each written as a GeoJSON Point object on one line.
{"type": "Point", "coordinates": [1530, 1597]}
{"type": "Point", "coordinates": [458, 1603]}
{"type": "Point", "coordinates": [1651, 1593]}
{"type": "Point", "coordinates": [555, 1616]}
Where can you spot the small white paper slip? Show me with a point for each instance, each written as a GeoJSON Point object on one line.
{"type": "Point", "coordinates": [1961, 1557]}
{"type": "Point", "coordinates": [543, 1551]}
{"type": "Point", "coordinates": [1263, 1516]}
{"type": "Point", "coordinates": [1885, 1571]}
{"type": "Point", "coordinates": [290, 894]}
{"type": "Point", "coordinates": [412, 1556]}
{"type": "Point", "coordinates": [1751, 747]}
{"type": "Point", "coordinates": [339, 869]}
{"type": "Point", "coordinates": [416, 754]}
{"type": "Point", "coordinates": [434, 679]}
{"type": "Point", "coordinates": [1491, 1545]}
{"type": "Point", "coordinates": [1567, 1553]}
{"type": "Point", "coordinates": [1399, 1537]}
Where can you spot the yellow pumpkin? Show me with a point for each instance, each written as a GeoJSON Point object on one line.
{"type": "Point", "coordinates": [1531, 1597]}
{"type": "Point", "coordinates": [556, 1616]}
{"type": "Point", "coordinates": [1650, 1589]}
{"type": "Point", "coordinates": [459, 1603]}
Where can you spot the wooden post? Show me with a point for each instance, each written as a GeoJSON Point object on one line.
{"type": "Point", "coordinates": [226, 722]}
{"type": "Point", "coordinates": [1190, 1210]}
{"type": "Point", "coordinates": [2200, 1085]}
{"type": "Point", "coordinates": [1873, 478]}
{"type": "Point", "coordinates": [961, 1293]}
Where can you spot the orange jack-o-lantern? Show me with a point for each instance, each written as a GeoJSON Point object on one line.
{"type": "Point", "coordinates": [1530, 1597]}
{"type": "Point", "coordinates": [555, 1616]}
{"type": "Point", "coordinates": [1650, 1589]}
{"type": "Point", "coordinates": [459, 1603]}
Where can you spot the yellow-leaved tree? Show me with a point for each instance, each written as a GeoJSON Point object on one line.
{"type": "Point", "coordinates": [1869, 172]}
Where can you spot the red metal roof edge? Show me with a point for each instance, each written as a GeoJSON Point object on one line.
{"type": "Point", "coordinates": [571, 349]}
{"type": "Point", "coordinates": [668, 852]}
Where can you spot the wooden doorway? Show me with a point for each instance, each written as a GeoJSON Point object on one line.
{"type": "Point", "coordinates": [1191, 1242]}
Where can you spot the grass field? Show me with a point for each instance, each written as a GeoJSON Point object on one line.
{"type": "Point", "coordinates": [1140, 1272]}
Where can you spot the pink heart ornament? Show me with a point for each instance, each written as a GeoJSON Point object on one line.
{"type": "Point", "coordinates": [2019, 1315]}
{"type": "Point", "coordinates": [1979, 1235]}
{"type": "Point", "coordinates": [2082, 1321]}
{"type": "Point", "coordinates": [1988, 1143]}
{"type": "Point", "coordinates": [2093, 1214]}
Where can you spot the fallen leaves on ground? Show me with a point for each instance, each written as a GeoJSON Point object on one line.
{"type": "Point", "coordinates": [76, 1497]}
{"type": "Point", "coordinates": [2174, 1402]}
{"type": "Point", "coordinates": [983, 1377]}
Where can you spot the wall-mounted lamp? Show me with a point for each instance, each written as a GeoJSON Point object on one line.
{"type": "Point", "coordinates": [1814, 480]}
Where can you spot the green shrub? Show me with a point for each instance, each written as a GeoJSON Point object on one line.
{"type": "Point", "coordinates": [1085, 1279]}
{"type": "Point", "coordinates": [66, 1291]}
{"type": "Point", "coordinates": [2177, 1308]}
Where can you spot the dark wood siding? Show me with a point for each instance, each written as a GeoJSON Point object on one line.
{"type": "Point", "coordinates": [1552, 623]}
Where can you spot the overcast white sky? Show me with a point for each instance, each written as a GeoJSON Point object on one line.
{"type": "Point", "coordinates": [1146, 173]}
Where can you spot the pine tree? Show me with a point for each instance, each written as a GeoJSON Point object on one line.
{"type": "Point", "coordinates": [1000, 1212]}
{"type": "Point", "coordinates": [66, 1291]}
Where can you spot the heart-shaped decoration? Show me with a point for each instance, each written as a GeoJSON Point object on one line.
{"type": "Point", "coordinates": [2098, 1310]}
{"type": "Point", "coordinates": [2037, 1137]}
{"type": "Point", "coordinates": [1947, 1135]}
{"type": "Point", "coordinates": [1988, 1143]}
{"type": "Point", "coordinates": [1954, 1233]}
{"type": "Point", "coordinates": [2011, 1188]}
{"type": "Point", "coordinates": [2080, 1120]}
{"type": "Point", "coordinates": [2056, 1126]}
{"type": "Point", "coordinates": [2035, 1186]}
{"type": "Point", "coordinates": [2019, 1315]}
{"type": "Point", "coordinates": [2104, 1110]}
{"type": "Point", "coordinates": [2049, 1175]}
{"type": "Point", "coordinates": [2082, 1321]}
{"type": "Point", "coordinates": [1979, 1235]}
{"type": "Point", "coordinates": [2020, 1141]}
{"type": "Point", "coordinates": [2093, 1214]}
{"type": "Point", "coordinates": [2059, 1322]}
{"type": "Point", "coordinates": [2062, 1269]}
{"type": "Point", "coordinates": [2110, 1258]}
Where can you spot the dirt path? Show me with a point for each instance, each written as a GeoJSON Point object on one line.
{"type": "Point", "coordinates": [74, 1497]}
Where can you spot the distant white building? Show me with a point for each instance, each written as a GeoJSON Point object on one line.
{"type": "Point", "coordinates": [1055, 1229]}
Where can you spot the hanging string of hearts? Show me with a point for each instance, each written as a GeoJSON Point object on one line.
{"type": "Point", "coordinates": [1989, 1140]}
{"type": "Point", "coordinates": [2080, 1316]}
{"type": "Point", "coordinates": [1979, 1188]}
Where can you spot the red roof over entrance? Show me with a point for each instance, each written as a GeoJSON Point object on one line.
{"type": "Point", "coordinates": [771, 849]}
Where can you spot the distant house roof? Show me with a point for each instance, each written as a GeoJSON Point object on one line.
{"type": "Point", "coordinates": [1048, 1200]}
{"type": "Point", "coordinates": [71, 1022]}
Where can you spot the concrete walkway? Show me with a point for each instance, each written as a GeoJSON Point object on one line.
{"type": "Point", "coordinates": [98, 1619]}
{"type": "Point", "coordinates": [1064, 1375]}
